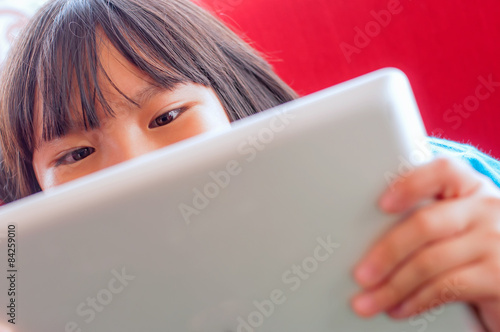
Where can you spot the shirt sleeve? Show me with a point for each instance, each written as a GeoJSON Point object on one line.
{"type": "Point", "coordinates": [480, 161]}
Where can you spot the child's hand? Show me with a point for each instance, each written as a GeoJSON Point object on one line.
{"type": "Point", "coordinates": [4, 328]}
{"type": "Point", "coordinates": [446, 251]}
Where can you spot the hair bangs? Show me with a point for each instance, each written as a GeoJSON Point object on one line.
{"type": "Point", "coordinates": [70, 72]}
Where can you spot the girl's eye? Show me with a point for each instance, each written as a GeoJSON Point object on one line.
{"type": "Point", "coordinates": [165, 118]}
{"type": "Point", "coordinates": [75, 156]}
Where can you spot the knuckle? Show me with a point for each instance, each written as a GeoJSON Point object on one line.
{"type": "Point", "coordinates": [446, 164]}
{"type": "Point", "coordinates": [393, 249]}
{"type": "Point", "coordinates": [424, 264]}
{"type": "Point", "coordinates": [387, 252]}
{"type": "Point", "coordinates": [394, 293]}
{"type": "Point", "coordinates": [491, 260]}
{"type": "Point", "coordinates": [491, 204]}
{"type": "Point", "coordinates": [426, 222]}
{"type": "Point", "coordinates": [492, 236]}
{"type": "Point", "coordinates": [490, 216]}
{"type": "Point", "coordinates": [494, 268]}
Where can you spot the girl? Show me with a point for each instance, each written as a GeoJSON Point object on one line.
{"type": "Point", "coordinates": [91, 83]}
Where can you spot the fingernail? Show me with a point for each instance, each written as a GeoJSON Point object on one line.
{"type": "Point", "coordinates": [365, 305]}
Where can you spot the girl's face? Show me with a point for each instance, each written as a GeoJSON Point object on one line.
{"type": "Point", "coordinates": [162, 118]}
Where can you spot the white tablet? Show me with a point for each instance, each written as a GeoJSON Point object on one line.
{"type": "Point", "coordinates": [253, 229]}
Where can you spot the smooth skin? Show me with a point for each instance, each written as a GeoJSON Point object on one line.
{"type": "Point", "coordinates": [455, 239]}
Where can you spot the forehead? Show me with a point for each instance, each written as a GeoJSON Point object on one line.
{"type": "Point", "coordinates": [118, 74]}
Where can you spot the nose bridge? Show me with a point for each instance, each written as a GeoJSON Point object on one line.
{"type": "Point", "coordinates": [126, 141]}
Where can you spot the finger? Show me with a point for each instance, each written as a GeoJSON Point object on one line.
{"type": "Point", "coordinates": [424, 266]}
{"type": "Point", "coordinates": [4, 329]}
{"type": "Point", "coordinates": [465, 284]}
{"type": "Point", "coordinates": [442, 178]}
{"type": "Point", "coordinates": [435, 222]}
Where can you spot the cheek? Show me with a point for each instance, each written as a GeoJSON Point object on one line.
{"type": "Point", "coordinates": [214, 119]}
{"type": "Point", "coordinates": [199, 122]}
{"type": "Point", "coordinates": [50, 177]}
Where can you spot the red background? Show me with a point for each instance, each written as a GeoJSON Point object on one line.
{"type": "Point", "coordinates": [443, 46]}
